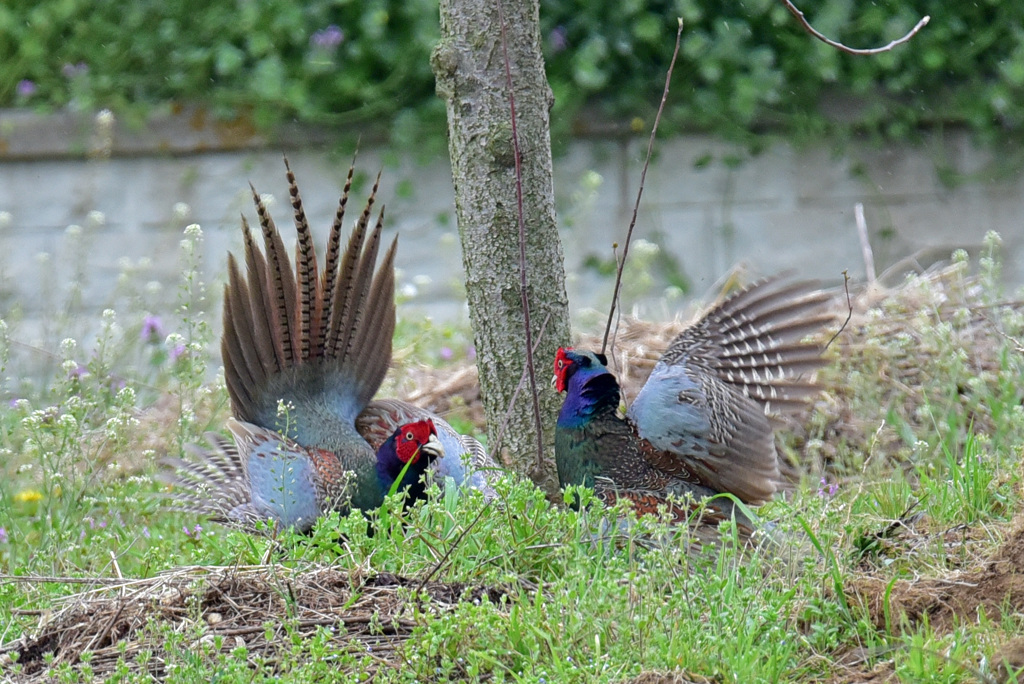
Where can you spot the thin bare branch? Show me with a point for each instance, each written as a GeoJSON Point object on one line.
{"type": "Point", "coordinates": [795, 11]}
{"type": "Point", "coordinates": [451, 549]}
{"type": "Point", "coordinates": [640, 190]}
{"type": "Point", "coordinates": [523, 280]}
{"type": "Point", "coordinates": [618, 315]}
{"type": "Point", "coordinates": [849, 311]}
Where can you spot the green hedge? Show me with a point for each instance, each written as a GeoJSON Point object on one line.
{"type": "Point", "coordinates": [745, 66]}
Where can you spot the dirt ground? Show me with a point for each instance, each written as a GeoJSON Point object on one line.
{"type": "Point", "coordinates": [233, 606]}
{"type": "Point", "coordinates": [995, 587]}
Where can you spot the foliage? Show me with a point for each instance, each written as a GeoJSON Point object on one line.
{"type": "Point", "coordinates": [744, 66]}
{"type": "Point", "coordinates": [270, 60]}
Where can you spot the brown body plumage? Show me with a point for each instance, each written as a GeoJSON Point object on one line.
{"type": "Point", "coordinates": [704, 422]}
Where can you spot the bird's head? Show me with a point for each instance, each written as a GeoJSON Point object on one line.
{"type": "Point", "coordinates": [416, 440]}
{"type": "Point", "coordinates": [568, 361]}
{"type": "Point", "coordinates": [403, 460]}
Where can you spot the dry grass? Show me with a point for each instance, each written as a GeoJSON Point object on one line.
{"type": "Point", "coordinates": [898, 339]}
{"type": "Point", "coordinates": [253, 607]}
{"type": "Point", "coordinates": [994, 585]}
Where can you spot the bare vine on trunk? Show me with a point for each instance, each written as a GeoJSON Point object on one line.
{"type": "Point", "coordinates": [470, 68]}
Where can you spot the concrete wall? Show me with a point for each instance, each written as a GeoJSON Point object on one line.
{"type": "Point", "coordinates": [707, 204]}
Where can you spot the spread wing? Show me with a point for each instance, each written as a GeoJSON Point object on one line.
{"type": "Point", "coordinates": [711, 403]}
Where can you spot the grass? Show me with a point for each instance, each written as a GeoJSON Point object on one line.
{"type": "Point", "coordinates": [857, 580]}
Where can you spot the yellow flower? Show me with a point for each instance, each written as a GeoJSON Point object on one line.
{"type": "Point", "coordinates": [28, 496]}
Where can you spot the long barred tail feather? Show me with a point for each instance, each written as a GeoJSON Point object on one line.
{"type": "Point", "coordinates": [316, 342]}
{"type": "Point", "coordinates": [279, 319]}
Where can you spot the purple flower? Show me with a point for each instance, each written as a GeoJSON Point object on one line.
{"type": "Point", "coordinates": [178, 352]}
{"type": "Point", "coordinates": [26, 88]}
{"type": "Point", "coordinates": [78, 372]}
{"type": "Point", "coordinates": [328, 38]}
{"type": "Point", "coordinates": [72, 70]}
{"type": "Point", "coordinates": [3, 535]}
{"type": "Point", "coordinates": [558, 39]}
{"type": "Point", "coordinates": [826, 489]}
{"type": "Point", "coordinates": [145, 531]}
{"type": "Point", "coordinates": [446, 353]}
{"type": "Point", "coordinates": [470, 352]}
{"type": "Point", "coordinates": [13, 403]}
{"type": "Point", "coordinates": [194, 533]}
{"type": "Point", "coordinates": [152, 329]}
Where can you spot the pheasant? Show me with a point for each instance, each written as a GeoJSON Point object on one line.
{"type": "Point", "coordinates": [473, 465]}
{"type": "Point", "coordinates": [264, 476]}
{"type": "Point", "coordinates": [304, 352]}
{"type": "Point", "coordinates": [703, 423]}
{"type": "Point", "coordinates": [406, 455]}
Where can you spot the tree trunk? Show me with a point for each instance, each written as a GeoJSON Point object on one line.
{"type": "Point", "coordinates": [470, 69]}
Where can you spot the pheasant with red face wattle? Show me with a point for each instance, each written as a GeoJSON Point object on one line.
{"type": "Point", "coordinates": [406, 454]}
{"type": "Point", "coordinates": [263, 476]}
{"type": "Point", "coordinates": [304, 352]}
{"type": "Point", "coordinates": [703, 423]}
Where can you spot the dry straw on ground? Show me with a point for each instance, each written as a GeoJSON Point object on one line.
{"type": "Point", "coordinates": [225, 608]}
{"type": "Point", "coordinates": [994, 586]}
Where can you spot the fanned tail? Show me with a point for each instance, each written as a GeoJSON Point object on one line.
{"type": "Point", "coordinates": [318, 339]}
{"type": "Point", "coordinates": [317, 344]}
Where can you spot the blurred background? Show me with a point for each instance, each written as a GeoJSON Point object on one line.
{"type": "Point", "coordinates": [122, 123]}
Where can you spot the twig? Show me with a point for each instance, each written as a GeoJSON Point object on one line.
{"type": "Point", "coordinates": [618, 317]}
{"type": "Point", "coordinates": [640, 190]}
{"type": "Point", "coordinates": [853, 51]}
{"type": "Point", "coordinates": [865, 244]}
{"type": "Point", "coordinates": [849, 311]}
{"type": "Point", "coordinates": [101, 635]}
{"type": "Point", "coordinates": [455, 545]}
{"type": "Point", "coordinates": [522, 243]}
{"type": "Point", "coordinates": [46, 579]}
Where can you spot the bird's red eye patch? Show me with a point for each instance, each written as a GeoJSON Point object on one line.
{"type": "Point", "coordinates": [411, 437]}
{"type": "Point", "coordinates": [562, 365]}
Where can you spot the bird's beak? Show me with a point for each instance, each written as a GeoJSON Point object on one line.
{"type": "Point", "coordinates": [554, 381]}
{"type": "Point", "coordinates": [433, 448]}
